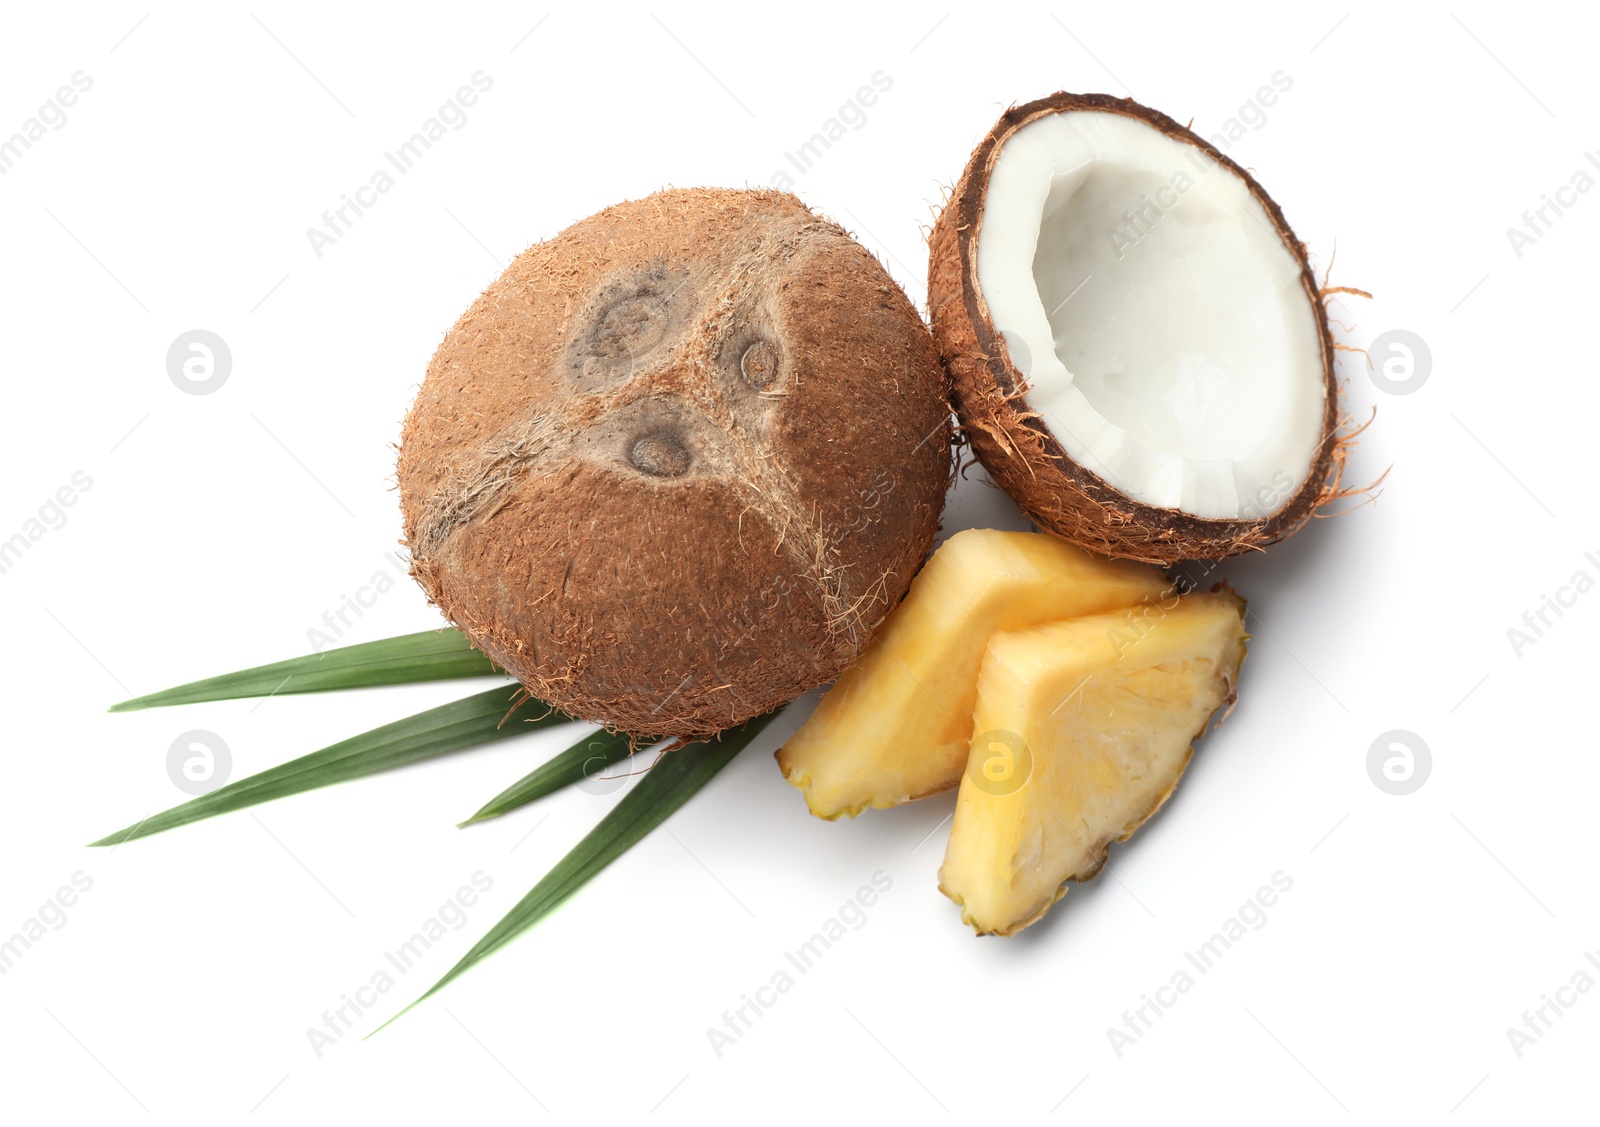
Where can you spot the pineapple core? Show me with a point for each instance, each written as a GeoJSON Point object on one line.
{"type": "Point", "coordinates": [1081, 731]}
{"type": "Point", "coordinates": [897, 725]}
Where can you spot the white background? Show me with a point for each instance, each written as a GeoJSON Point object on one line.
{"type": "Point", "coordinates": [219, 528]}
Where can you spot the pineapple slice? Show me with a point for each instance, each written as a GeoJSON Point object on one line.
{"type": "Point", "coordinates": [896, 725]}
{"type": "Point", "coordinates": [1082, 731]}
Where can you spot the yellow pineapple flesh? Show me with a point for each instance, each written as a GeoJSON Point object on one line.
{"type": "Point", "coordinates": [1082, 730]}
{"type": "Point", "coordinates": [897, 724]}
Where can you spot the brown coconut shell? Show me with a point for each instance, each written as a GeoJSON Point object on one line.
{"type": "Point", "coordinates": [1024, 458]}
{"type": "Point", "coordinates": [677, 463]}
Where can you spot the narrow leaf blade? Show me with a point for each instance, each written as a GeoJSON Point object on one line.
{"type": "Point", "coordinates": [478, 719]}
{"type": "Point", "coordinates": [589, 756]}
{"type": "Point", "coordinates": [675, 778]}
{"type": "Point", "coordinates": [431, 655]}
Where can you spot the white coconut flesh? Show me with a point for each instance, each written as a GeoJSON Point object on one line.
{"type": "Point", "coordinates": [1160, 323]}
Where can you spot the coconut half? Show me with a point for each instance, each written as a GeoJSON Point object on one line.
{"type": "Point", "coordinates": [1140, 353]}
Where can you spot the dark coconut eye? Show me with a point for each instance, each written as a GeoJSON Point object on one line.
{"type": "Point", "coordinates": [630, 326]}
{"type": "Point", "coordinates": [759, 365]}
{"type": "Point", "coordinates": [660, 454]}
{"type": "Point", "coordinates": [637, 314]}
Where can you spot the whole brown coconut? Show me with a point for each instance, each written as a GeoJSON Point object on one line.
{"type": "Point", "coordinates": [1150, 271]}
{"type": "Point", "coordinates": [676, 464]}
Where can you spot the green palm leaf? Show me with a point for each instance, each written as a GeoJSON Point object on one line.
{"type": "Point", "coordinates": [432, 655]}
{"type": "Point", "coordinates": [589, 756]}
{"type": "Point", "coordinates": [675, 778]}
{"type": "Point", "coordinates": [476, 720]}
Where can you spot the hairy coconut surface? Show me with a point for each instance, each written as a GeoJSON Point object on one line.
{"type": "Point", "coordinates": [675, 466]}
{"type": "Point", "coordinates": [1139, 351]}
